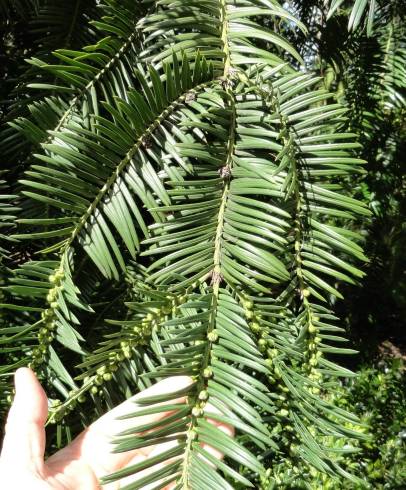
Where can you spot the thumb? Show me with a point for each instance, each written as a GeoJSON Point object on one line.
{"type": "Point", "coordinates": [24, 441]}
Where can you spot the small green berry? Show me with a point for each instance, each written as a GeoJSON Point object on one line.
{"type": "Point", "coordinates": [203, 395]}
{"type": "Point", "coordinates": [255, 327]}
{"type": "Point", "coordinates": [248, 304]}
{"type": "Point", "coordinates": [272, 353]}
{"type": "Point", "coordinates": [311, 328]}
{"type": "Point", "coordinates": [208, 372]}
{"type": "Point", "coordinates": [197, 412]}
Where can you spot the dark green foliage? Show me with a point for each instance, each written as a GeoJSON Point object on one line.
{"type": "Point", "coordinates": [379, 397]}
{"type": "Point", "coordinates": [367, 74]}
{"type": "Point", "coordinates": [184, 197]}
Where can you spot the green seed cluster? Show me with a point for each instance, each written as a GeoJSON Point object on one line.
{"type": "Point", "coordinates": [267, 346]}
{"type": "Point", "coordinates": [206, 373]}
{"type": "Point", "coordinates": [203, 395]}
{"type": "Point", "coordinates": [313, 354]}
{"type": "Point", "coordinates": [48, 316]}
{"type": "Point", "coordinates": [139, 336]}
{"type": "Point", "coordinates": [58, 409]}
{"type": "Point", "coordinates": [201, 400]}
{"type": "Point", "coordinates": [281, 393]}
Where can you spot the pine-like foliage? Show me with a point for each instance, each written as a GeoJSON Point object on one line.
{"type": "Point", "coordinates": [186, 209]}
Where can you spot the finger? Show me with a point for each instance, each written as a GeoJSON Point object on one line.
{"type": "Point", "coordinates": [24, 441]}
{"type": "Point", "coordinates": [161, 448]}
{"type": "Point", "coordinates": [94, 446]}
{"type": "Point", "coordinates": [226, 428]}
{"type": "Point", "coordinates": [157, 450]}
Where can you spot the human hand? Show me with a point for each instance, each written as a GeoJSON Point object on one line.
{"type": "Point", "coordinates": [81, 464]}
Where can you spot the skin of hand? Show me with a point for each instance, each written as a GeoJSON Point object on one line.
{"type": "Point", "coordinates": [89, 457]}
